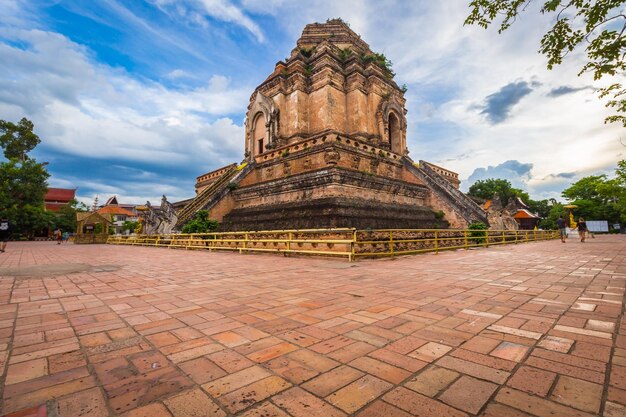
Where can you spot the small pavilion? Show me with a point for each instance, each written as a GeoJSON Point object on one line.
{"type": "Point", "coordinates": [87, 229]}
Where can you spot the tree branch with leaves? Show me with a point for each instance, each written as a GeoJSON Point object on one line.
{"type": "Point", "coordinates": [597, 26]}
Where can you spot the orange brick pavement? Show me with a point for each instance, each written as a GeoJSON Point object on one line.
{"type": "Point", "coordinates": [528, 330]}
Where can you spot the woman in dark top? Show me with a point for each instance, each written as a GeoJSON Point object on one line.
{"type": "Point", "coordinates": [582, 228]}
{"type": "Point", "coordinates": [4, 234]}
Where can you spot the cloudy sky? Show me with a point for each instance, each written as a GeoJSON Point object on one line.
{"type": "Point", "coordinates": [137, 98]}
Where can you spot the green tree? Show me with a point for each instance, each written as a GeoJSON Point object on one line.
{"type": "Point", "coordinates": [200, 223]}
{"type": "Point", "coordinates": [18, 139]}
{"type": "Point", "coordinates": [23, 181]}
{"type": "Point", "coordinates": [599, 198]}
{"type": "Point", "coordinates": [66, 216]}
{"type": "Point", "coordinates": [130, 226]}
{"type": "Point", "coordinates": [548, 222]}
{"type": "Point", "coordinates": [599, 26]}
{"type": "Point", "coordinates": [485, 189]}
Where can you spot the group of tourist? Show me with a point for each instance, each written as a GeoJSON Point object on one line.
{"type": "Point", "coordinates": [581, 226]}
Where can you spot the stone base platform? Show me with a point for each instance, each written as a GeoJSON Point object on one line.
{"type": "Point", "coordinates": [331, 212]}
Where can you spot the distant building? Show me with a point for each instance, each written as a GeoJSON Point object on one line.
{"type": "Point", "coordinates": [58, 197]}
{"type": "Point", "coordinates": [118, 216]}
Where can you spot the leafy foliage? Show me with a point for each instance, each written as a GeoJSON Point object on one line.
{"type": "Point", "coordinates": [381, 60]}
{"type": "Point", "coordinates": [478, 232]}
{"type": "Point", "coordinates": [130, 226]}
{"type": "Point", "coordinates": [600, 198]}
{"type": "Point", "coordinates": [485, 189]}
{"type": "Point", "coordinates": [66, 216]}
{"type": "Point", "coordinates": [598, 26]}
{"type": "Point", "coordinates": [201, 223]}
{"type": "Point", "coordinates": [18, 139]}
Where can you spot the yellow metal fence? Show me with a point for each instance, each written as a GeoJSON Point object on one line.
{"type": "Point", "coordinates": [350, 243]}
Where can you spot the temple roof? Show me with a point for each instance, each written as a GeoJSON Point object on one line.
{"type": "Point", "coordinates": [60, 194]}
{"type": "Point", "coordinates": [335, 31]}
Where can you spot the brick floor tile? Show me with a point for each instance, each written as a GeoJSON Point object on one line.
{"type": "Point", "coordinates": [253, 393]}
{"type": "Point", "coordinates": [473, 369]}
{"type": "Point", "coordinates": [202, 370]}
{"type": "Point", "coordinates": [614, 410]}
{"type": "Point", "coordinates": [557, 344]}
{"type": "Point", "coordinates": [267, 409]}
{"type": "Point", "coordinates": [299, 403]}
{"type": "Point", "coordinates": [381, 369]}
{"type": "Point", "coordinates": [230, 339]}
{"type": "Point", "coordinates": [487, 360]}
{"type": "Point", "coordinates": [406, 344]}
{"type": "Point", "coordinates": [577, 393]}
{"type": "Point", "coordinates": [186, 355]}
{"type": "Point", "coordinates": [535, 405]}
{"type": "Point", "coordinates": [352, 351]}
{"type": "Point", "coordinates": [420, 405]}
{"type": "Point", "coordinates": [616, 395]}
{"type": "Point", "coordinates": [432, 380]}
{"type": "Point", "coordinates": [152, 410]}
{"type": "Point", "coordinates": [380, 408]}
{"type": "Point", "coordinates": [142, 389]}
{"type": "Point", "coordinates": [399, 360]}
{"type": "Point", "coordinates": [481, 344]}
{"type": "Point", "coordinates": [510, 351]}
{"type": "Point", "coordinates": [299, 338]}
{"type": "Point", "coordinates": [272, 352]}
{"type": "Point", "coordinates": [235, 381]}
{"type": "Point", "coordinates": [40, 411]}
{"type": "Point", "coordinates": [194, 403]}
{"type": "Point", "coordinates": [230, 361]}
{"type": "Point", "coordinates": [333, 380]}
{"type": "Point", "coordinates": [163, 339]}
{"type": "Point", "coordinates": [565, 369]}
{"type": "Point", "coordinates": [468, 394]}
{"type": "Point", "coordinates": [618, 377]}
{"type": "Point", "coordinates": [430, 351]}
{"type": "Point", "coordinates": [359, 393]}
{"type": "Point", "coordinates": [65, 361]}
{"type": "Point", "coordinates": [39, 396]}
{"type": "Point", "coordinates": [292, 370]}
{"type": "Point", "coordinates": [94, 339]}
{"type": "Point", "coordinates": [327, 346]}
{"type": "Point", "coordinates": [24, 371]}
{"type": "Point", "coordinates": [533, 381]}
{"type": "Point", "coordinates": [313, 360]}
{"type": "Point", "coordinates": [44, 382]}
{"type": "Point", "coordinates": [592, 351]}
{"type": "Point", "coordinates": [499, 410]}
{"type": "Point", "coordinates": [88, 403]}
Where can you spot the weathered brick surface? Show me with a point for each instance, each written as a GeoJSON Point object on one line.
{"type": "Point", "coordinates": [516, 331]}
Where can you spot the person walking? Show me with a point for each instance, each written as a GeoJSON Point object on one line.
{"type": "Point", "coordinates": [4, 234]}
{"type": "Point", "coordinates": [560, 223]}
{"type": "Point", "coordinates": [582, 228]}
{"type": "Point", "coordinates": [58, 234]}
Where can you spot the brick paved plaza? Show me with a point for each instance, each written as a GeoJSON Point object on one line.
{"type": "Point", "coordinates": [534, 329]}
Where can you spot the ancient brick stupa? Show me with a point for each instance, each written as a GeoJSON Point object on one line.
{"type": "Point", "coordinates": [325, 146]}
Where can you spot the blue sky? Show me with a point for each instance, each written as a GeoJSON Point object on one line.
{"type": "Point", "coordinates": [137, 98]}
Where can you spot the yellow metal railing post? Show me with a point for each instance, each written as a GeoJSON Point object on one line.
{"type": "Point", "coordinates": [352, 246]}
{"type": "Point", "coordinates": [486, 238]}
{"type": "Point", "coordinates": [465, 237]}
{"type": "Point", "coordinates": [290, 237]}
{"type": "Point", "coordinates": [436, 242]}
{"type": "Point", "coordinates": [391, 242]}
{"type": "Point", "coordinates": [503, 238]}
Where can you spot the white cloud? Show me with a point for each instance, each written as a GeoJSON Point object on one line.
{"type": "Point", "coordinates": [89, 109]}
{"type": "Point", "coordinates": [224, 10]}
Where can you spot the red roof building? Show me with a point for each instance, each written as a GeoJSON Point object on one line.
{"type": "Point", "coordinates": [58, 197]}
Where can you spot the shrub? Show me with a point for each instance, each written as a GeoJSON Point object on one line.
{"type": "Point", "coordinates": [201, 223]}
{"type": "Point", "coordinates": [478, 232]}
